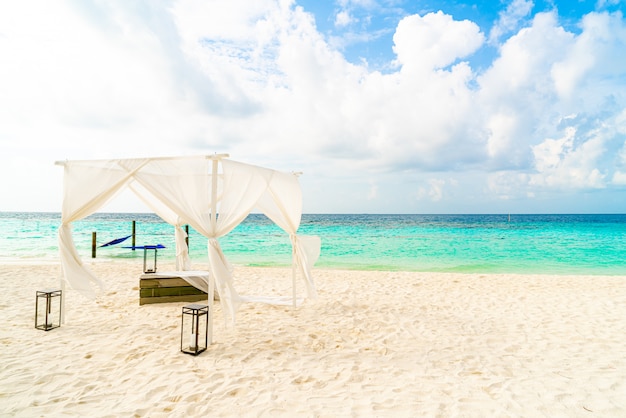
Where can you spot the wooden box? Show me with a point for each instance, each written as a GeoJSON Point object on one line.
{"type": "Point", "coordinates": [158, 289]}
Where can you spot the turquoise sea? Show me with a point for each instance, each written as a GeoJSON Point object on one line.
{"type": "Point", "coordinates": [550, 244]}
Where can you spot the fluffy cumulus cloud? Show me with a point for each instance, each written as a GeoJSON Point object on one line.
{"type": "Point", "coordinates": [434, 41]}
{"type": "Point", "coordinates": [259, 81]}
{"type": "Point", "coordinates": [343, 18]}
{"type": "Point", "coordinates": [560, 163]}
{"type": "Point", "coordinates": [510, 19]}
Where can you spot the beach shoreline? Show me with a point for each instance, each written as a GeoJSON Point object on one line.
{"type": "Point", "coordinates": [375, 343]}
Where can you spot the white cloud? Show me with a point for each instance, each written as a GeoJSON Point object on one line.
{"type": "Point", "coordinates": [509, 19]}
{"type": "Point", "coordinates": [550, 153]}
{"type": "Point", "coordinates": [526, 58]}
{"type": "Point", "coordinates": [373, 191]}
{"type": "Point", "coordinates": [436, 189]}
{"type": "Point", "coordinates": [91, 85]}
{"type": "Point", "coordinates": [83, 80]}
{"type": "Point", "coordinates": [434, 41]}
{"type": "Point", "coordinates": [591, 60]}
{"type": "Point", "coordinates": [501, 128]}
{"type": "Point", "coordinates": [562, 163]}
{"type": "Point", "coordinates": [604, 3]}
{"type": "Point", "coordinates": [507, 185]}
{"type": "Point", "coordinates": [343, 19]}
{"type": "Point", "coordinates": [365, 4]}
{"type": "Point", "coordinates": [619, 178]}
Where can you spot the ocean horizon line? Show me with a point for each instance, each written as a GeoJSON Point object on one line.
{"type": "Point", "coordinates": [363, 213]}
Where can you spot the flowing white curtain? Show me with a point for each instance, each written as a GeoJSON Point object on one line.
{"type": "Point", "coordinates": [87, 186]}
{"type": "Point", "coordinates": [282, 203]}
{"type": "Point", "coordinates": [177, 191]}
{"type": "Point", "coordinates": [243, 185]}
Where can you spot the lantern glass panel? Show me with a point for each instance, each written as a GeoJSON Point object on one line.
{"type": "Point", "coordinates": [48, 309]}
{"type": "Point", "coordinates": [149, 259]}
{"type": "Point", "coordinates": [194, 329]}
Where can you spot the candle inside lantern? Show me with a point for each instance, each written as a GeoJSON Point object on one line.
{"type": "Point", "coordinates": [192, 341]}
{"type": "Point", "coordinates": [48, 314]}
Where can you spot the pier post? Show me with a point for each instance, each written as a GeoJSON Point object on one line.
{"type": "Point", "coordinates": [187, 237]}
{"type": "Point", "coordinates": [93, 244]}
{"type": "Point", "coordinates": [133, 234]}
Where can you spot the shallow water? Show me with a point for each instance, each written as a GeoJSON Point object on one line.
{"type": "Point", "coordinates": [551, 244]}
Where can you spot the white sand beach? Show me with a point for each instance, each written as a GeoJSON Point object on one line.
{"type": "Point", "coordinates": [375, 344]}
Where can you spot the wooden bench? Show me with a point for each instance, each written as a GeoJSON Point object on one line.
{"type": "Point", "coordinates": [165, 288]}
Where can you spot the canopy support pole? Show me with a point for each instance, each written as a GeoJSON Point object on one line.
{"type": "Point", "coordinates": [213, 224]}
{"type": "Point", "coordinates": [211, 294]}
{"type": "Point", "coordinates": [293, 275]}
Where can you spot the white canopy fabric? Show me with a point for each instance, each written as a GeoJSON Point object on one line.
{"type": "Point", "coordinates": [194, 191]}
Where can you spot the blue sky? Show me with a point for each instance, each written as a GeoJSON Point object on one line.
{"type": "Point", "coordinates": [385, 106]}
{"type": "Point", "coordinates": [366, 30]}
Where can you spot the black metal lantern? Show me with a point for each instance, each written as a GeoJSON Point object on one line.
{"type": "Point", "coordinates": [48, 309]}
{"type": "Point", "coordinates": [149, 261]}
{"type": "Point", "coordinates": [194, 329]}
